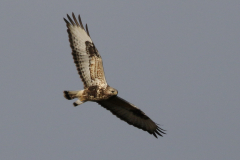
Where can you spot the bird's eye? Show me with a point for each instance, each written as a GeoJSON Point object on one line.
{"type": "Point", "coordinates": [112, 91]}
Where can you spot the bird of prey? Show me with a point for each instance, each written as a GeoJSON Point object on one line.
{"type": "Point", "coordinates": [90, 68]}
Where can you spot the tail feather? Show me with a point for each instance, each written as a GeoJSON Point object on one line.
{"type": "Point", "coordinates": [70, 94]}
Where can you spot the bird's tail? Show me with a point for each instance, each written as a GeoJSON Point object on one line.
{"type": "Point", "coordinates": [70, 94]}
{"type": "Point", "coordinates": [75, 94]}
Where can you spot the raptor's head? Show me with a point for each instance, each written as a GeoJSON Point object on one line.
{"type": "Point", "coordinates": [111, 91]}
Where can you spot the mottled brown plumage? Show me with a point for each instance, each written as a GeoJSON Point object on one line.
{"type": "Point", "coordinates": [94, 93]}
{"type": "Point", "coordinates": [90, 68]}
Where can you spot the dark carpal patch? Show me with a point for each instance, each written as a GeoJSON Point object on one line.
{"type": "Point", "coordinates": [91, 49]}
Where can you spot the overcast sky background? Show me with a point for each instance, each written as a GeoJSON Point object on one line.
{"type": "Point", "coordinates": [178, 61]}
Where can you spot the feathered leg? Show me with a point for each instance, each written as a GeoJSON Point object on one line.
{"type": "Point", "coordinates": [78, 102]}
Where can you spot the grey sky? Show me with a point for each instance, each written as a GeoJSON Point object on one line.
{"type": "Point", "coordinates": [178, 61]}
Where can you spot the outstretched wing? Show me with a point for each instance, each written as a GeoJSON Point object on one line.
{"type": "Point", "coordinates": [86, 57]}
{"type": "Point", "coordinates": [132, 115]}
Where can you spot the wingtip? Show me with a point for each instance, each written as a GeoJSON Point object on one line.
{"type": "Point", "coordinates": [75, 20]}
{"type": "Point", "coordinates": [87, 30]}
{"type": "Point", "coordinates": [70, 19]}
{"type": "Point", "coordinates": [65, 21]}
{"type": "Point", "coordinates": [160, 131]}
{"type": "Point", "coordinates": [154, 134]}
{"type": "Point", "coordinates": [79, 18]}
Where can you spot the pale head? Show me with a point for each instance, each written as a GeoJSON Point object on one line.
{"type": "Point", "coordinates": [110, 91]}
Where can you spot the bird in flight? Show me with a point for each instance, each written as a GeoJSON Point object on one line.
{"type": "Point", "coordinates": [90, 68]}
